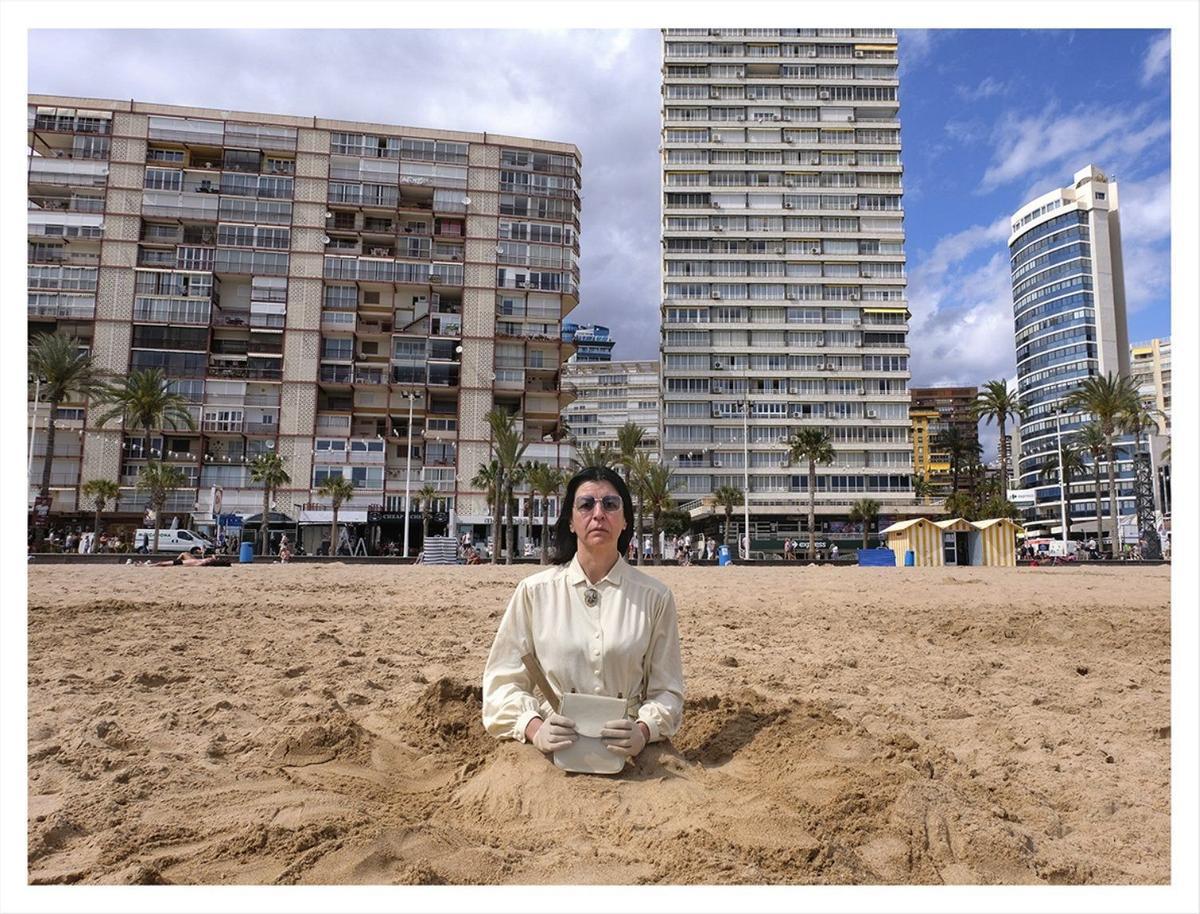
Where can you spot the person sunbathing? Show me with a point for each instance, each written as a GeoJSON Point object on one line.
{"type": "Point", "coordinates": [184, 559]}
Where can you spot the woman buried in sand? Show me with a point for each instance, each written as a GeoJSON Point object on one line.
{"type": "Point", "coordinates": [596, 626]}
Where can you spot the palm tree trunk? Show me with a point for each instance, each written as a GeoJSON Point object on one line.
{"type": "Point", "coordinates": [641, 525]}
{"type": "Point", "coordinates": [728, 522]}
{"type": "Point", "coordinates": [1112, 497]}
{"type": "Point", "coordinates": [496, 517]}
{"type": "Point", "coordinates": [512, 527]}
{"type": "Point", "coordinates": [333, 532]}
{"type": "Point", "coordinates": [812, 514]}
{"type": "Point", "coordinates": [864, 533]}
{"type": "Point", "coordinates": [266, 508]}
{"type": "Point", "coordinates": [157, 524]}
{"type": "Point", "coordinates": [655, 552]}
{"type": "Point", "coordinates": [51, 431]}
{"type": "Point", "coordinates": [1003, 463]}
{"type": "Point", "coordinates": [1099, 506]}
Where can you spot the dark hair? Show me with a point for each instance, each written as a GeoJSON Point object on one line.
{"type": "Point", "coordinates": [564, 540]}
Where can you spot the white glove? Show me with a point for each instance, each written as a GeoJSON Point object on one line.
{"type": "Point", "coordinates": [556, 732]}
{"type": "Point", "coordinates": [623, 737]}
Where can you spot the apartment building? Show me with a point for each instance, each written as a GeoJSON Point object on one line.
{"type": "Point", "coordinates": [1068, 293]}
{"type": "Point", "coordinates": [935, 410]}
{"type": "Point", "coordinates": [1150, 370]}
{"type": "Point", "coordinates": [784, 267]}
{"type": "Point", "coordinates": [609, 394]}
{"type": "Point", "coordinates": [592, 342]}
{"type": "Point", "coordinates": [352, 296]}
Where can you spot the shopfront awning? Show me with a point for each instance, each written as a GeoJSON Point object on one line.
{"type": "Point", "coordinates": [345, 516]}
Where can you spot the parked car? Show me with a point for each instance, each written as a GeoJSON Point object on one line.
{"type": "Point", "coordinates": [173, 540]}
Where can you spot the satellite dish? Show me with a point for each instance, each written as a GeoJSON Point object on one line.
{"type": "Point", "coordinates": [500, 250]}
{"type": "Point", "coordinates": [466, 201]}
{"type": "Point", "coordinates": [328, 214]}
{"type": "Point", "coordinates": [270, 445]}
{"type": "Point", "coordinates": [324, 239]}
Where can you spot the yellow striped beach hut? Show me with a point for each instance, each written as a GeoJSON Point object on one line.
{"type": "Point", "coordinates": [921, 535]}
{"type": "Point", "coordinates": [959, 541]}
{"type": "Point", "coordinates": [998, 541]}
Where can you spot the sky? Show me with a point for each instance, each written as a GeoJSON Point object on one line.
{"type": "Point", "coordinates": [990, 119]}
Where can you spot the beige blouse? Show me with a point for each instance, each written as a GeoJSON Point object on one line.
{"type": "Point", "coordinates": [626, 645]}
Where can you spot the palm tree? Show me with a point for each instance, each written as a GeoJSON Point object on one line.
{"type": "Point", "coordinates": [268, 470]}
{"type": "Point", "coordinates": [487, 478]}
{"type": "Point", "coordinates": [996, 402]}
{"type": "Point", "coordinates": [338, 489]}
{"type": "Point", "coordinates": [629, 439]}
{"type": "Point", "coordinates": [144, 400]}
{"type": "Point", "coordinates": [543, 480]}
{"type": "Point", "coordinates": [814, 445]}
{"type": "Point", "coordinates": [101, 492]}
{"type": "Point", "coordinates": [508, 449]}
{"type": "Point", "coordinates": [427, 495]}
{"type": "Point", "coordinates": [658, 499]}
{"type": "Point", "coordinates": [867, 511]}
{"type": "Point", "coordinates": [922, 488]}
{"type": "Point", "coordinates": [962, 504]}
{"type": "Point", "coordinates": [1090, 438]}
{"type": "Point", "coordinates": [728, 498]}
{"type": "Point", "coordinates": [960, 448]}
{"type": "Point", "coordinates": [593, 455]}
{"type": "Point", "coordinates": [637, 470]}
{"type": "Point", "coordinates": [1109, 399]}
{"type": "Point", "coordinates": [1073, 463]}
{"type": "Point", "coordinates": [155, 479]}
{"type": "Point", "coordinates": [63, 370]}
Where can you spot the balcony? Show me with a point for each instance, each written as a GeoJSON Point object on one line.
{"type": "Point", "coordinates": [336, 374]}
{"type": "Point", "coordinates": [61, 308]}
{"type": "Point", "coordinates": [370, 376]}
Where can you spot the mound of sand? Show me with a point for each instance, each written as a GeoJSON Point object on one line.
{"type": "Point", "coordinates": [322, 725]}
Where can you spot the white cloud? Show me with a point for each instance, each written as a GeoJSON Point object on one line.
{"type": "Point", "coordinates": [1157, 59]}
{"type": "Point", "coordinates": [989, 86]}
{"type": "Point", "coordinates": [1112, 138]}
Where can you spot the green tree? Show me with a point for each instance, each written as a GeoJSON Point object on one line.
{"type": "Point", "coordinates": [727, 498]}
{"type": "Point", "coordinates": [995, 402]}
{"type": "Point", "coordinates": [156, 479]}
{"type": "Point", "coordinates": [101, 492]}
{"type": "Point", "coordinates": [269, 472]}
{"type": "Point", "coordinates": [1073, 464]}
{"type": "Point", "coordinates": [544, 480]}
{"type": "Point", "coordinates": [637, 470]}
{"type": "Point", "coordinates": [814, 446]}
{"type": "Point", "coordinates": [1090, 438]}
{"type": "Point", "coordinates": [144, 400]}
{"type": "Point", "coordinates": [513, 480]}
{"type": "Point", "coordinates": [61, 369]}
{"type": "Point", "coordinates": [1110, 399]}
{"type": "Point", "coordinates": [487, 478]}
{"type": "Point", "coordinates": [865, 510]}
{"type": "Point", "coordinates": [508, 449]}
{"type": "Point", "coordinates": [922, 488]}
{"type": "Point", "coordinates": [960, 448]}
{"type": "Point", "coordinates": [338, 489]}
{"type": "Point", "coordinates": [629, 439]}
{"type": "Point", "coordinates": [594, 455]}
{"type": "Point", "coordinates": [962, 504]}
{"type": "Point", "coordinates": [427, 495]}
{"type": "Point", "coordinates": [658, 498]}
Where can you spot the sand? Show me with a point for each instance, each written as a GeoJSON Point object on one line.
{"type": "Point", "coordinates": [320, 724]}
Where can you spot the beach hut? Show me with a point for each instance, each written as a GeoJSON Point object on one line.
{"type": "Point", "coordinates": [959, 541]}
{"type": "Point", "coordinates": [997, 541]}
{"type": "Point", "coordinates": [920, 535]}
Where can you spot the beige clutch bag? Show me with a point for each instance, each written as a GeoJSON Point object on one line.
{"type": "Point", "coordinates": [588, 755]}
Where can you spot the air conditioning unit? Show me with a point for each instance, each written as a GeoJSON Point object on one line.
{"type": "Point", "coordinates": [850, 118]}
{"type": "Point", "coordinates": [814, 250]}
{"type": "Point", "coordinates": [718, 228]}
{"type": "Point", "coordinates": [717, 139]}
{"type": "Point", "coordinates": [788, 205]}
{"type": "Point", "coordinates": [716, 296]}
{"type": "Point", "coordinates": [741, 117]}
{"type": "Point", "coordinates": [854, 204]}
{"type": "Point", "coordinates": [823, 95]}
{"type": "Point", "coordinates": [716, 411]}
{"type": "Point", "coordinates": [862, 391]}
{"type": "Point", "coordinates": [872, 414]}
{"type": "Point", "coordinates": [866, 275]}
{"type": "Point", "coordinates": [716, 205]}
{"type": "Point", "coordinates": [789, 140]}
{"type": "Point", "coordinates": [856, 323]}
{"type": "Point", "coordinates": [713, 93]}
{"type": "Point", "coordinates": [789, 182]}
{"type": "Point", "coordinates": [783, 439]}
{"type": "Point", "coordinates": [716, 463]}
{"type": "Point", "coordinates": [435, 277]}
{"type": "Point", "coordinates": [779, 250]}
{"type": "Point", "coordinates": [858, 54]}
{"type": "Point", "coordinates": [853, 296]}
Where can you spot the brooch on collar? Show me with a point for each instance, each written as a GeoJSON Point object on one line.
{"type": "Point", "coordinates": [591, 596]}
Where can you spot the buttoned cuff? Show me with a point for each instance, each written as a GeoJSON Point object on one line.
{"type": "Point", "coordinates": [652, 725]}
{"type": "Point", "coordinates": [523, 722]}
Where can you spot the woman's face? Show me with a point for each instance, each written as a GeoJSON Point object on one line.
{"type": "Point", "coordinates": [597, 529]}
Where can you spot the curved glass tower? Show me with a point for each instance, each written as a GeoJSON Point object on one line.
{"type": "Point", "coordinates": [1069, 317]}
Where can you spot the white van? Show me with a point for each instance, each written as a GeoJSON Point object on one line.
{"type": "Point", "coordinates": [172, 540]}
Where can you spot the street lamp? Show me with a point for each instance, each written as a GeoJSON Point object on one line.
{"type": "Point", "coordinates": [37, 393]}
{"type": "Point", "coordinates": [745, 407]}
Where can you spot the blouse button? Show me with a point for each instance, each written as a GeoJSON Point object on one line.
{"type": "Point", "coordinates": [597, 689]}
{"type": "Point", "coordinates": [596, 653]}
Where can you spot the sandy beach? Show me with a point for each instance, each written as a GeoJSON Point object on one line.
{"type": "Point", "coordinates": [320, 724]}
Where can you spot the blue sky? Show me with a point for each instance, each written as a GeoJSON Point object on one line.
{"type": "Point", "coordinates": [990, 120]}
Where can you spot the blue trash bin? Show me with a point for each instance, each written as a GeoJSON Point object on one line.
{"type": "Point", "coordinates": [246, 554]}
{"type": "Point", "coordinates": [910, 558]}
{"type": "Point", "coordinates": [723, 556]}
